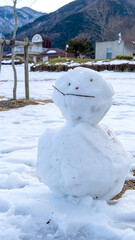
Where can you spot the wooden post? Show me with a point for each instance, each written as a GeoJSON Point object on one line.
{"type": "Point", "coordinates": [15, 73]}
{"type": "Point", "coordinates": [26, 61]}
{"type": "Point", "coordinates": [12, 44]}
{"type": "Point", "coordinates": [67, 46]}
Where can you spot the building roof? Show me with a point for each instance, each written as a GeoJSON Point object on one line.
{"type": "Point", "coordinates": [46, 41]}
{"type": "Point", "coordinates": [53, 52]}
{"type": "Point", "coordinates": [42, 38]}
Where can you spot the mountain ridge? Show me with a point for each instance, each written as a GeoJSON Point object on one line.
{"type": "Point", "coordinates": [93, 19]}
{"type": "Point", "coordinates": [97, 20]}
{"type": "Point", "coordinates": [24, 16]}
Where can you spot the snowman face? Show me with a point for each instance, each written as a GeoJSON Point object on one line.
{"type": "Point", "coordinates": [83, 95]}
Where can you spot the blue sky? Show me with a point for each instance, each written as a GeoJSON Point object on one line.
{"type": "Point", "coordinates": [39, 5]}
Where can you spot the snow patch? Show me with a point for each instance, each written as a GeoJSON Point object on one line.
{"type": "Point", "coordinates": [51, 51]}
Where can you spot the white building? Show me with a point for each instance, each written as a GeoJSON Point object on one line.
{"type": "Point", "coordinates": [110, 49]}
{"type": "Point", "coordinates": [40, 50]}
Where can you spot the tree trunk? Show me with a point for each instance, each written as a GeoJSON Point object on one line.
{"type": "Point", "coordinates": [1, 52]}
{"type": "Point", "coordinates": [13, 51]}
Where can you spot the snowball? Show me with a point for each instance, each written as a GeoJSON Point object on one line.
{"type": "Point", "coordinates": [94, 102]}
{"type": "Point", "coordinates": [82, 160]}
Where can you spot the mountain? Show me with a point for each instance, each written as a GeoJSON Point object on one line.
{"type": "Point", "coordinates": [94, 19]}
{"type": "Point", "coordinates": [24, 15]}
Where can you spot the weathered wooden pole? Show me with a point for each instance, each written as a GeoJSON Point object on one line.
{"type": "Point", "coordinates": [26, 61]}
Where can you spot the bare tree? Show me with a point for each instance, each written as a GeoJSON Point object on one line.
{"type": "Point", "coordinates": [113, 27]}
{"type": "Point", "coordinates": [129, 36]}
{"type": "Point", "coordinates": [104, 25]}
{"type": "Point", "coordinates": [99, 15]}
{"type": "Point", "coordinates": [12, 44]}
{"type": "Point", "coordinates": [1, 52]}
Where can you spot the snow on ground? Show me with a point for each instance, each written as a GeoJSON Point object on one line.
{"type": "Point", "coordinates": [37, 91]}
{"type": "Point", "coordinates": [72, 63]}
{"type": "Point", "coordinates": [28, 209]}
{"type": "Point", "coordinates": [115, 62]}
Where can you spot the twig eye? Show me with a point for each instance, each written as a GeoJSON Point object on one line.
{"type": "Point", "coordinates": [77, 88]}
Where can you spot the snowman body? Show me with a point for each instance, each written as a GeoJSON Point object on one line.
{"type": "Point", "coordinates": [82, 158]}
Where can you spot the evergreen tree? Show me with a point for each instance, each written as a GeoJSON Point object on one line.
{"type": "Point", "coordinates": [81, 47]}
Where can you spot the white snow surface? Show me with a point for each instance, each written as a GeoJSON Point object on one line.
{"type": "Point", "coordinates": [51, 51]}
{"type": "Point", "coordinates": [80, 154]}
{"type": "Point", "coordinates": [72, 63]}
{"type": "Point", "coordinates": [26, 204]}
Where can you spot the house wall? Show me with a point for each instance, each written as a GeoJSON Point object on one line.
{"type": "Point", "coordinates": [128, 51]}
{"type": "Point", "coordinates": [116, 46]}
{"type": "Point", "coordinates": [45, 58]}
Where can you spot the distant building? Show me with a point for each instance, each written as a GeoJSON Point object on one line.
{"type": "Point", "coordinates": [110, 49]}
{"type": "Point", "coordinates": [41, 43]}
{"type": "Point", "coordinates": [41, 49]}
{"type": "Point", "coordinates": [52, 53]}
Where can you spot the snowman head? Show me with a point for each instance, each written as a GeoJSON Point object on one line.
{"type": "Point", "coordinates": [83, 95]}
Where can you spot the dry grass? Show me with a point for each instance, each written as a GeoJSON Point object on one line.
{"type": "Point", "coordinates": [6, 105]}
{"type": "Point", "coordinates": [129, 185]}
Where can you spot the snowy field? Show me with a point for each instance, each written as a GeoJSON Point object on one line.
{"type": "Point", "coordinates": [28, 209]}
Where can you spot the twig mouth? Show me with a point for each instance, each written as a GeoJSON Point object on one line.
{"type": "Point", "coordinates": [72, 94]}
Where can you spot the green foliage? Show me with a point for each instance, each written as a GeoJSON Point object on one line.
{"type": "Point", "coordinates": [64, 60]}
{"type": "Point", "coordinates": [67, 60]}
{"type": "Point", "coordinates": [124, 57]}
{"type": "Point", "coordinates": [6, 59]}
{"type": "Point", "coordinates": [80, 47]}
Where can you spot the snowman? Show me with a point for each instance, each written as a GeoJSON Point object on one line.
{"type": "Point", "coordinates": [82, 158]}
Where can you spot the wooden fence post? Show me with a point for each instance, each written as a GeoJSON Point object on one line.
{"type": "Point", "coordinates": [25, 44]}
{"type": "Point", "coordinates": [26, 61]}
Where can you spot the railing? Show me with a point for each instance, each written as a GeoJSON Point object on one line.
{"type": "Point", "coordinates": [23, 46]}
{"type": "Point", "coordinates": [31, 49]}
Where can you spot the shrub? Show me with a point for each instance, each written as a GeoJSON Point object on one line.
{"type": "Point", "coordinates": [124, 57]}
